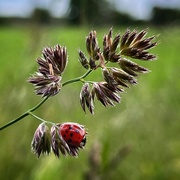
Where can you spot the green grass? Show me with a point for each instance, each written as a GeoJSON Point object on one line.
{"type": "Point", "coordinates": [147, 120]}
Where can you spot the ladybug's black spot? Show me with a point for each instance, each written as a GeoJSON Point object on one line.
{"type": "Point", "coordinates": [77, 131]}
{"type": "Point", "coordinates": [71, 134]}
{"type": "Point", "coordinates": [66, 131]}
{"type": "Point", "coordinates": [69, 140]}
{"type": "Point", "coordinates": [70, 127]}
{"type": "Point", "coordinates": [64, 135]}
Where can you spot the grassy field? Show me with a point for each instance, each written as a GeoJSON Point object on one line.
{"type": "Point", "coordinates": [137, 139]}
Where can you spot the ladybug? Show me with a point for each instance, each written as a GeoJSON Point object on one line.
{"type": "Point", "coordinates": [74, 134]}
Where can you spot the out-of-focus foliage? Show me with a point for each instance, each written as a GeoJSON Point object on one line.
{"type": "Point", "coordinates": [137, 139]}
{"type": "Point", "coordinates": [95, 13]}
{"type": "Point", "coordinates": [165, 16]}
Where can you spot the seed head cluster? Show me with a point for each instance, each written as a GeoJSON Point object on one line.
{"type": "Point", "coordinates": [45, 141]}
{"type": "Point", "coordinates": [115, 50]}
{"type": "Point", "coordinates": [47, 80]}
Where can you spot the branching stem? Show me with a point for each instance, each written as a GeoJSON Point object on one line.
{"type": "Point", "coordinates": [29, 112]}
{"type": "Point", "coordinates": [42, 120]}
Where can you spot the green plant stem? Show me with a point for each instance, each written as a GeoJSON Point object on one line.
{"type": "Point", "coordinates": [77, 79]}
{"type": "Point", "coordinates": [42, 120]}
{"type": "Point", "coordinates": [24, 114]}
{"type": "Point", "coordinates": [29, 112]}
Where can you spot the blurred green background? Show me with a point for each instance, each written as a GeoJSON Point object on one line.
{"type": "Point", "coordinates": [137, 139]}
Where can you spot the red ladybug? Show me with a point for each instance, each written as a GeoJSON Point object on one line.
{"type": "Point", "coordinates": [74, 134]}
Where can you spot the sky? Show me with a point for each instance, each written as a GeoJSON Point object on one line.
{"type": "Point", "coordinates": [139, 9]}
{"type": "Point", "coordinates": [24, 8]}
{"type": "Point", "coordinates": [142, 9]}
